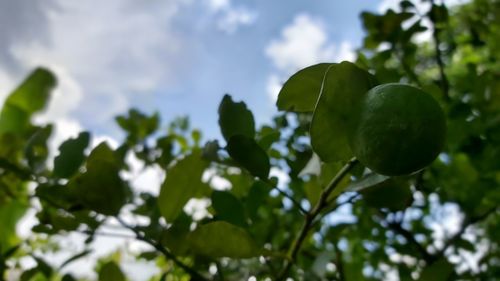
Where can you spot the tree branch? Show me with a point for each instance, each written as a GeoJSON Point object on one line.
{"type": "Point", "coordinates": [428, 258]}
{"type": "Point", "coordinates": [288, 196]}
{"type": "Point", "coordinates": [445, 85]}
{"type": "Point", "coordinates": [195, 275]}
{"type": "Point", "coordinates": [310, 216]}
{"type": "Point", "coordinates": [467, 222]}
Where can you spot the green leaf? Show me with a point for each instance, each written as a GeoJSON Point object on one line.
{"type": "Point", "coordinates": [183, 182]}
{"type": "Point", "coordinates": [246, 152]}
{"type": "Point", "coordinates": [11, 212]}
{"type": "Point", "coordinates": [235, 119]}
{"type": "Point", "coordinates": [175, 237]}
{"type": "Point", "coordinates": [438, 271]}
{"type": "Point", "coordinates": [71, 156]}
{"type": "Point", "coordinates": [36, 151]}
{"type": "Point", "coordinates": [138, 125]}
{"type": "Point", "coordinates": [366, 182]}
{"type": "Point", "coordinates": [394, 194]}
{"type": "Point", "coordinates": [256, 198]}
{"type": "Point", "coordinates": [221, 239]}
{"type": "Point", "coordinates": [301, 91]}
{"type": "Point", "coordinates": [111, 272]}
{"type": "Point", "coordinates": [344, 86]}
{"type": "Point", "coordinates": [228, 208]}
{"type": "Point", "coordinates": [100, 188]}
{"type": "Point", "coordinates": [30, 97]}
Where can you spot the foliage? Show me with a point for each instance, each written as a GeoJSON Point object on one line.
{"type": "Point", "coordinates": [262, 227]}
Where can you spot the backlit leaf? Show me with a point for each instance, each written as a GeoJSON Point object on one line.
{"type": "Point", "coordinates": [344, 86]}
{"type": "Point", "coordinates": [221, 239]}
{"type": "Point", "coordinates": [183, 182]}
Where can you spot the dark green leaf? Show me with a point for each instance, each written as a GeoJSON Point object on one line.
{"type": "Point", "coordinates": [71, 155]}
{"type": "Point", "coordinates": [111, 272]}
{"type": "Point", "coordinates": [221, 239]}
{"type": "Point", "coordinates": [438, 271]}
{"type": "Point", "coordinates": [100, 188]}
{"type": "Point", "coordinates": [246, 152]}
{"type": "Point", "coordinates": [235, 119]}
{"type": "Point", "coordinates": [394, 194]}
{"type": "Point", "coordinates": [301, 91]}
{"type": "Point", "coordinates": [36, 151]}
{"type": "Point", "coordinates": [183, 182]}
{"type": "Point", "coordinates": [228, 208]}
{"type": "Point", "coordinates": [343, 88]}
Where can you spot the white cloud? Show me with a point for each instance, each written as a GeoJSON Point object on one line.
{"type": "Point", "coordinates": [109, 54]}
{"type": "Point", "coordinates": [229, 18]}
{"type": "Point", "coordinates": [302, 43]}
{"type": "Point", "coordinates": [216, 5]}
{"type": "Point", "coordinates": [235, 18]}
{"type": "Point", "coordinates": [274, 85]}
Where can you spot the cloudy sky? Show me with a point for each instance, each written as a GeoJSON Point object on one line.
{"type": "Point", "coordinates": [177, 57]}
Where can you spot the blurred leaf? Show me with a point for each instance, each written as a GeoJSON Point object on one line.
{"type": "Point", "coordinates": [36, 150]}
{"type": "Point", "coordinates": [344, 86]}
{"type": "Point", "coordinates": [175, 237]}
{"type": "Point", "coordinates": [246, 152]}
{"type": "Point", "coordinates": [301, 91]}
{"type": "Point", "coordinates": [138, 125]}
{"type": "Point", "coordinates": [100, 188]}
{"type": "Point", "coordinates": [221, 239]}
{"type": "Point", "coordinates": [228, 208]}
{"type": "Point", "coordinates": [10, 212]}
{"type": "Point", "coordinates": [183, 182]}
{"type": "Point", "coordinates": [235, 119]}
{"type": "Point", "coordinates": [438, 271]}
{"type": "Point", "coordinates": [111, 272]}
{"type": "Point", "coordinates": [394, 194]}
{"type": "Point", "coordinates": [30, 97]}
{"type": "Point", "coordinates": [71, 155]}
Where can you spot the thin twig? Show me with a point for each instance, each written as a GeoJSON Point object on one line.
{"type": "Point", "coordinates": [396, 227]}
{"type": "Point", "coordinates": [288, 196]}
{"type": "Point", "coordinates": [195, 275]}
{"type": "Point", "coordinates": [445, 85]}
{"type": "Point", "coordinates": [310, 216]}
{"type": "Point", "coordinates": [339, 263]}
{"type": "Point", "coordinates": [108, 234]}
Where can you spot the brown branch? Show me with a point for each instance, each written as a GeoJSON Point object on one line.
{"type": "Point", "coordinates": [195, 275]}
{"type": "Point", "coordinates": [310, 216]}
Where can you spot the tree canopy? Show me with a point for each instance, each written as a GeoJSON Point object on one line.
{"type": "Point", "coordinates": [326, 217]}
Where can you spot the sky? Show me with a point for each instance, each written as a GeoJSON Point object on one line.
{"type": "Point", "coordinates": [177, 57]}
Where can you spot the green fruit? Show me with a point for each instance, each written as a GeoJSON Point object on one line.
{"type": "Point", "coordinates": [398, 129]}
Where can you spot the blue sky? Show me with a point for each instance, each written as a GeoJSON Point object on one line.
{"type": "Point", "coordinates": [177, 57]}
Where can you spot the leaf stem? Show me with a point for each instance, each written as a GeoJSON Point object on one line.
{"type": "Point", "coordinates": [310, 216]}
